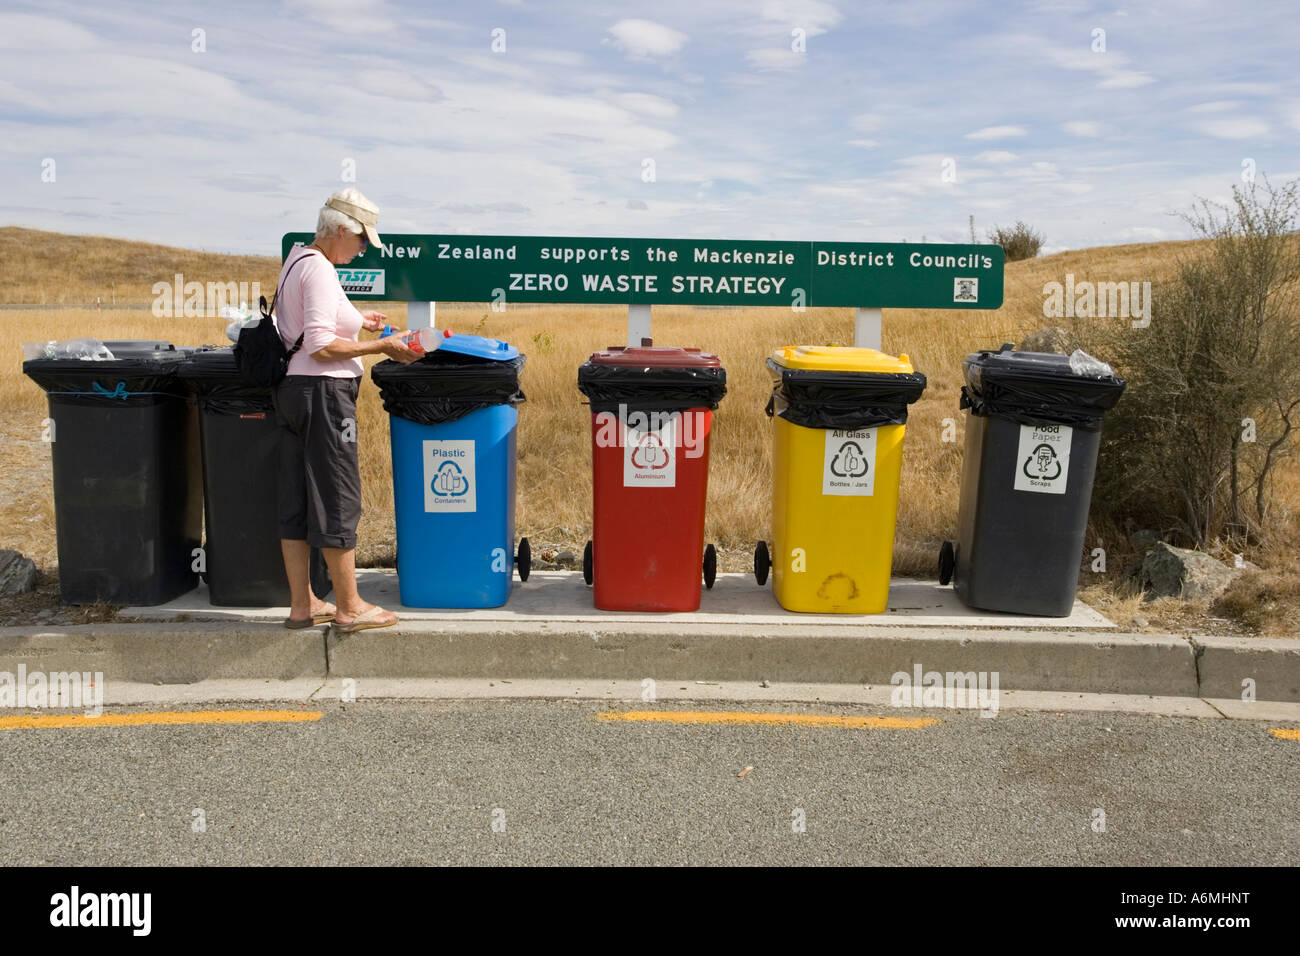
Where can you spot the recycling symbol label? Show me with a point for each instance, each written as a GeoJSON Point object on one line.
{"type": "Point", "coordinates": [449, 475]}
{"type": "Point", "coordinates": [1043, 458]}
{"type": "Point", "coordinates": [649, 457]}
{"type": "Point", "coordinates": [449, 480]}
{"type": "Point", "coordinates": [849, 466]}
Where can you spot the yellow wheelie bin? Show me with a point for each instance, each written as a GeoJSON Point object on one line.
{"type": "Point", "coordinates": [839, 414]}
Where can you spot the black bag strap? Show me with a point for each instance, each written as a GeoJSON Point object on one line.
{"type": "Point", "coordinates": [267, 313]}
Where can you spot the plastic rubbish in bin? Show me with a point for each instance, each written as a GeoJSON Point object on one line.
{"type": "Point", "coordinates": [420, 341]}
{"type": "Point", "coordinates": [449, 384]}
{"type": "Point", "coordinates": [83, 348]}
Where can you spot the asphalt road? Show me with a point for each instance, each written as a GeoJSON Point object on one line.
{"type": "Point", "coordinates": [423, 782]}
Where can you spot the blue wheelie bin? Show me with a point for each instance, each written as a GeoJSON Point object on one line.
{"type": "Point", "coordinates": [452, 423]}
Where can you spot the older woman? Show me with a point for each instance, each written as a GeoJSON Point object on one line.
{"type": "Point", "coordinates": [316, 409]}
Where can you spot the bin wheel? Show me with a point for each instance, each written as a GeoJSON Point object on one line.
{"type": "Point", "coordinates": [710, 565]}
{"type": "Point", "coordinates": [762, 562]}
{"type": "Point", "coordinates": [947, 562]}
{"type": "Point", "coordinates": [524, 559]}
{"type": "Point", "coordinates": [586, 563]}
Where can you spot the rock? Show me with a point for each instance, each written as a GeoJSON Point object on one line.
{"type": "Point", "coordinates": [1176, 572]}
{"type": "Point", "coordinates": [565, 559]}
{"type": "Point", "coordinates": [1051, 339]}
{"type": "Point", "coordinates": [1140, 622]}
{"type": "Point", "coordinates": [1144, 540]}
{"type": "Point", "coordinates": [44, 614]}
{"type": "Point", "coordinates": [17, 574]}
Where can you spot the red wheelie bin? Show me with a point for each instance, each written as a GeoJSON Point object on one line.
{"type": "Point", "coordinates": [652, 412]}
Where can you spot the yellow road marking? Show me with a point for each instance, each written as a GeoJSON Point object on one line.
{"type": "Point", "coordinates": [47, 721]}
{"type": "Point", "coordinates": [1286, 733]}
{"type": "Point", "coordinates": [743, 717]}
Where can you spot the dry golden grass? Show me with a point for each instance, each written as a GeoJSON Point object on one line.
{"type": "Point", "coordinates": [554, 502]}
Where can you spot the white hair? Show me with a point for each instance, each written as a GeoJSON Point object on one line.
{"type": "Point", "coordinates": [329, 220]}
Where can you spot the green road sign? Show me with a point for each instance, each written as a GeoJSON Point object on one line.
{"type": "Point", "coordinates": [416, 268]}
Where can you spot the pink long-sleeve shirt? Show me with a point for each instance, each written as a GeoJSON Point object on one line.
{"type": "Point", "coordinates": [313, 303]}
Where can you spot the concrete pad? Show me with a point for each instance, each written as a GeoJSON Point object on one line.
{"type": "Point", "coordinates": [1271, 663]}
{"type": "Point", "coordinates": [734, 599]}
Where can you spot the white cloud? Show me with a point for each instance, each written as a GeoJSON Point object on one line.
{"type": "Point", "coordinates": [776, 59]}
{"type": "Point", "coordinates": [21, 31]}
{"type": "Point", "coordinates": [1125, 79]}
{"type": "Point", "coordinates": [996, 156]}
{"type": "Point", "coordinates": [1084, 128]}
{"type": "Point", "coordinates": [812, 16]}
{"type": "Point", "coordinates": [864, 143]}
{"type": "Point", "coordinates": [1218, 106]}
{"type": "Point", "coordinates": [867, 122]}
{"type": "Point", "coordinates": [997, 132]}
{"type": "Point", "coordinates": [347, 16]}
{"type": "Point", "coordinates": [647, 104]}
{"type": "Point", "coordinates": [1243, 127]}
{"type": "Point", "coordinates": [640, 39]}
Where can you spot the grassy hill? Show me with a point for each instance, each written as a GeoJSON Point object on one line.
{"type": "Point", "coordinates": [51, 268]}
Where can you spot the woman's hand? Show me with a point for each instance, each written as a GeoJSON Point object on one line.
{"type": "Point", "coordinates": [374, 321]}
{"type": "Point", "coordinates": [394, 346]}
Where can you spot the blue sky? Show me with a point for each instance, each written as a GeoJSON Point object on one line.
{"type": "Point", "coordinates": [849, 140]}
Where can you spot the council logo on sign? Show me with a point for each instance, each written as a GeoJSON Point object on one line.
{"type": "Point", "coordinates": [965, 290]}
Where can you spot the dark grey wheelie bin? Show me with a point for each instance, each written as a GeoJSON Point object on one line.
{"type": "Point", "coordinates": [239, 439]}
{"type": "Point", "coordinates": [1031, 452]}
{"type": "Point", "coordinates": [127, 501]}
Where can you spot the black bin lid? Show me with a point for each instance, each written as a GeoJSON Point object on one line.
{"type": "Point", "coordinates": [144, 348]}
{"type": "Point", "coordinates": [1037, 387]}
{"type": "Point", "coordinates": [138, 369]}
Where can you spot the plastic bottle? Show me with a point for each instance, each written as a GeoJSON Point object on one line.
{"type": "Point", "coordinates": [420, 341]}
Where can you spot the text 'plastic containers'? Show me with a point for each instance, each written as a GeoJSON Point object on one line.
{"type": "Point", "coordinates": [453, 428]}
{"type": "Point", "coordinates": [652, 414]}
{"type": "Point", "coordinates": [839, 416]}
{"type": "Point", "coordinates": [1031, 452]}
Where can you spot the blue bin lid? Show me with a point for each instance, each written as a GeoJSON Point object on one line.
{"type": "Point", "coordinates": [479, 347]}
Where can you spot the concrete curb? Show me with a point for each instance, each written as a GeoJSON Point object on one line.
{"type": "Point", "coordinates": [172, 653]}
{"type": "Point", "coordinates": [1086, 662]}
{"type": "Point", "coordinates": [1161, 665]}
{"type": "Point", "coordinates": [1225, 663]}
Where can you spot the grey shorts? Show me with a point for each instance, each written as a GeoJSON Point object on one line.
{"type": "Point", "coordinates": [319, 476]}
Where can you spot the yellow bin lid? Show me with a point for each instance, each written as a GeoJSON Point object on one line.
{"type": "Point", "coordinates": [840, 358]}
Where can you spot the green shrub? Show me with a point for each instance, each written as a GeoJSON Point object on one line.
{"type": "Point", "coordinates": [1018, 242]}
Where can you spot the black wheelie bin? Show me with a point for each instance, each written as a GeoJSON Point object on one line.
{"type": "Point", "coordinates": [1032, 438]}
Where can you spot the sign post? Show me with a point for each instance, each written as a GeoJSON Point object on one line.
{"type": "Point", "coordinates": [639, 273]}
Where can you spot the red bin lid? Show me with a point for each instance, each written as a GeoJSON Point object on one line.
{"type": "Point", "coordinates": [655, 356]}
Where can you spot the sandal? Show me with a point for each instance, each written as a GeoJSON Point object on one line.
{"type": "Point", "coordinates": [366, 620]}
{"type": "Point", "coordinates": [323, 616]}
